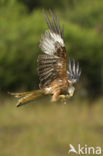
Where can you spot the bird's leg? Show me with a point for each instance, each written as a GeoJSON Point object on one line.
{"type": "Point", "coordinates": [55, 96]}
{"type": "Point", "coordinates": [62, 96]}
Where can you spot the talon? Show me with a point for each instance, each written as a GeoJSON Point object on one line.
{"type": "Point", "coordinates": [62, 96]}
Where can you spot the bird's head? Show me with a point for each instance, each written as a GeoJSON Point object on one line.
{"type": "Point", "coordinates": [71, 90]}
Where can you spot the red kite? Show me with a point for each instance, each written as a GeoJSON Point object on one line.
{"type": "Point", "coordinates": [55, 79]}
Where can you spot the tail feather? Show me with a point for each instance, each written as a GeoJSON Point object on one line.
{"type": "Point", "coordinates": [26, 97]}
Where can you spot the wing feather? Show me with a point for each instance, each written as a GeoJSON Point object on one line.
{"type": "Point", "coordinates": [52, 64]}
{"type": "Point", "coordinates": [48, 42]}
{"type": "Point", "coordinates": [53, 21]}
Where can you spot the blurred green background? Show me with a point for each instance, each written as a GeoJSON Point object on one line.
{"type": "Point", "coordinates": [42, 128]}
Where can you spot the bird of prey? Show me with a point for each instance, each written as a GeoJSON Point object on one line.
{"type": "Point", "coordinates": [55, 79]}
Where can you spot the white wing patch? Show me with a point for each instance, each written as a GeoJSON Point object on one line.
{"type": "Point", "coordinates": [48, 40]}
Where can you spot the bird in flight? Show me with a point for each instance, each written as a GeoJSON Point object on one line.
{"type": "Point", "coordinates": [54, 78]}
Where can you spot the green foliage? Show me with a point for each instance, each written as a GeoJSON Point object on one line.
{"type": "Point", "coordinates": [88, 14]}
{"type": "Point", "coordinates": [19, 46]}
{"type": "Point", "coordinates": [31, 4]}
{"type": "Point", "coordinates": [20, 34]}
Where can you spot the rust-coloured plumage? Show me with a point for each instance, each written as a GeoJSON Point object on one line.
{"type": "Point", "coordinates": [52, 65]}
{"type": "Point", "coordinates": [54, 78]}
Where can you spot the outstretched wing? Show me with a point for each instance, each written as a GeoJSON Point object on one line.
{"type": "Point", "coordinates": [52, 64]}
{"type": "Point", "coordinates": [73, 72]}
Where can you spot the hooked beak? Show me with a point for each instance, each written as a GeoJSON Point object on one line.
{"type": "Point", "coordinates": [69, 95]}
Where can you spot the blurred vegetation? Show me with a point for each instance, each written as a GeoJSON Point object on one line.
{"type": "Point", "coordinates": [21, 26]}
{"type": "Point", "coordinates": [44, 129]}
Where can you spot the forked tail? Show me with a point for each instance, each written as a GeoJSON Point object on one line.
{"type": "Point", "coordinates": [26, 97]}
